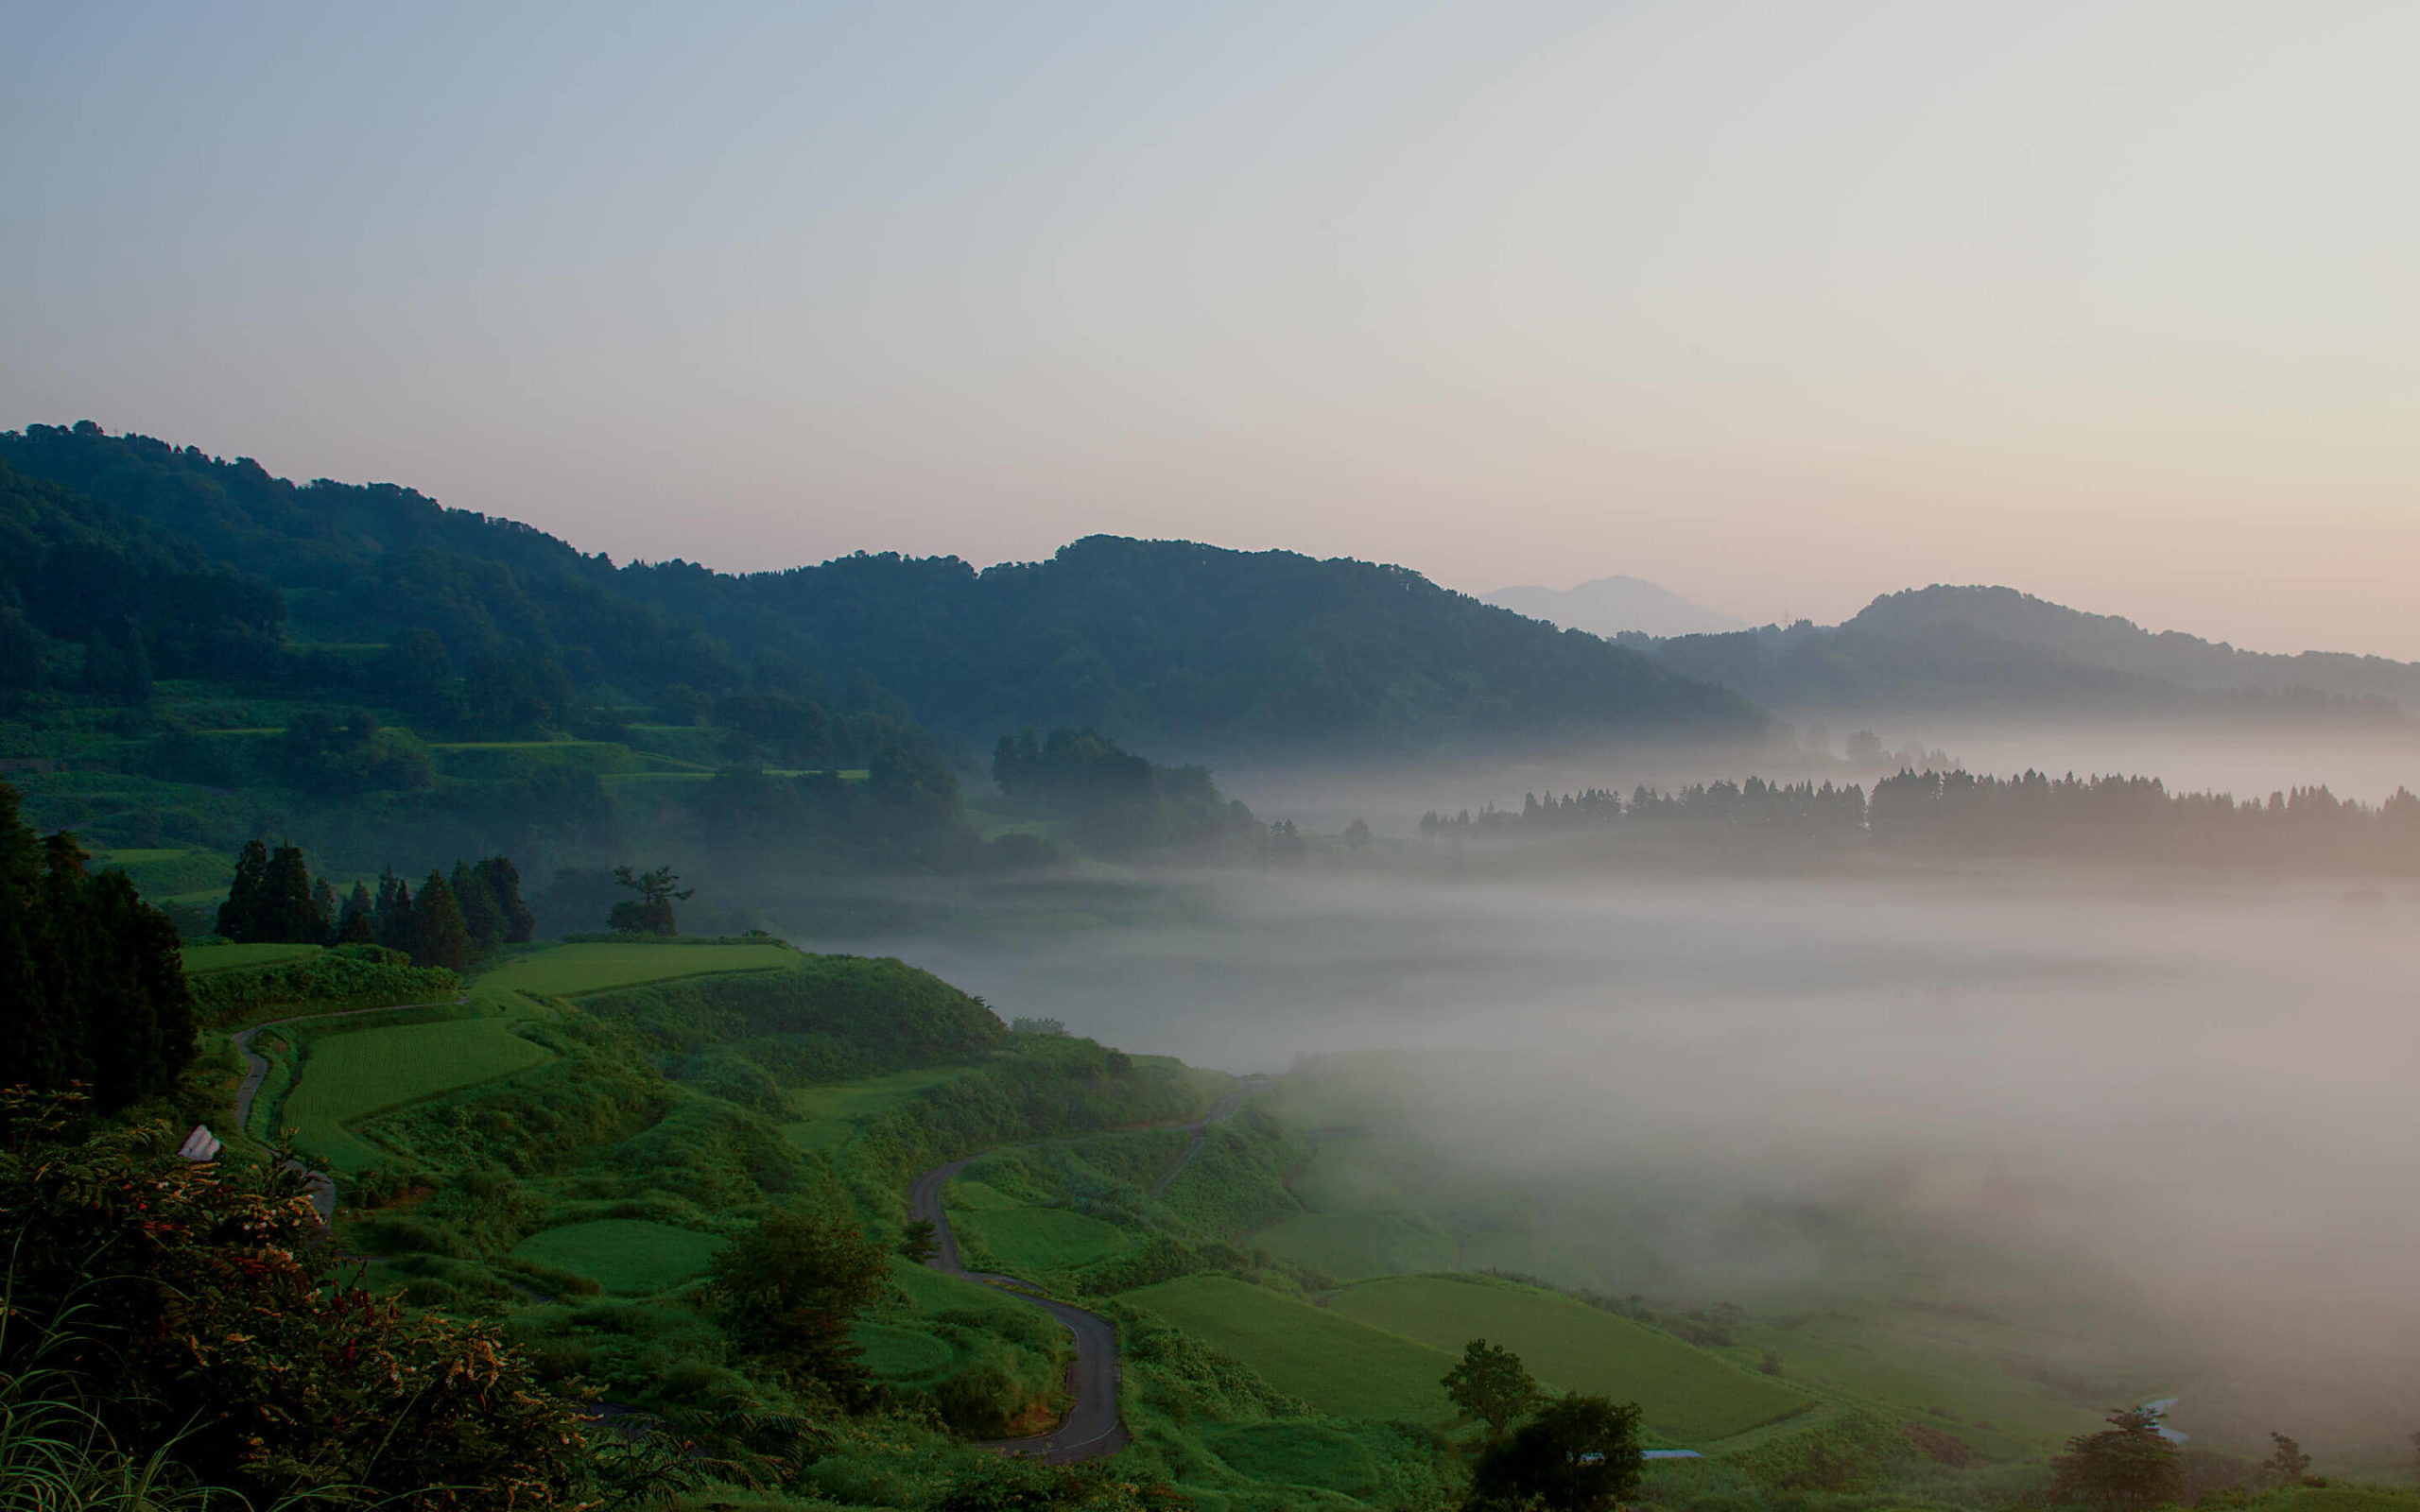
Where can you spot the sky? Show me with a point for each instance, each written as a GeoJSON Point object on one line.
{"type": "Point", "coordinates": [1782, 306]}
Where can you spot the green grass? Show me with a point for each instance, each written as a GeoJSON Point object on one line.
{"type": "Point", "coordinates": [568, 970]}
{"type": "Point", "coordinates": [164, 873]}
{"type": "Point", "coordinates": [1911, 1358]}
{"type": "Point", "coordinates": [1025, 1241]}
{"type": "Point", "coordinates": [828, 1115]}
{"type": "Point", "coordinates": [348, 1076]}
{"type": "Point", "coordinates": [1336, 1363]}
{"type": "Point", "coordinates": [626, 1256]}
{"type": "Point", "coordinates": [201, 959]}
{"type": "Point", "coordinates": [1683, 1393]}
{"type": "Point", "coordinates": [1352, 1246]}
{"type": "Point", "coordinates": [1295, 1453]}
{"type": "Point", "coordinates": [902, 1356]}
{"type": "Point", "coordinates": [930, 1293]}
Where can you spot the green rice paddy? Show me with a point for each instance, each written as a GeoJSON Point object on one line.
{"type": "Point", "coordinates": [627, 1257]}
{"type": "Point", "coordinates": [569, 970]}
{"type": "Point", "coordinates": [1027, 1240]}
{"type": "Point", "coordinates": [1334, 1362]}
{"type": "Point", "coordinates": [350, 1075]}
{"type": "Point", "coordinates": [902, 1356]}
{"type": "Point", "coordinates": [203, 959]}
{"type": "Point", "coordinates": [1295, 1453]}
{"type": "Point", "coordinates": [1683, 1392]}
{"type": "Point", "coordinates": [1352, 1246]}
{"type": "Point", "coordinates": [827, 1116]}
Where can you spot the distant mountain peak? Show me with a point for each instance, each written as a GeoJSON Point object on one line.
{"type": "Point", "coordinates": [1610, 606]}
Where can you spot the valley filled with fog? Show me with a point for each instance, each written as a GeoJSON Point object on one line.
{"type": "Point", "coordinates": [2177, 1101]}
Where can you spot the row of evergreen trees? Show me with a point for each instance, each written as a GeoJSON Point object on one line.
{"type": "Point", "coordinates": [1960, 814]}
{"type": "Point", "coordinates": [91, 987]}
{"type": "Point", "coordinates": [273, 899]}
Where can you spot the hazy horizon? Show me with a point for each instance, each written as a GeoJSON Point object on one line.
{"type": "Point", "coordinates": [1778, 307]}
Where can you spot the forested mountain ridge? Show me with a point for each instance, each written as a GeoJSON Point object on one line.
{"type": "Point", "coordinates": [1996, 650]}
{"type": "Point", "coordinates": [1206, 650]}
{"type": "Point", "coordinates": [1188, 648]}
{"type": "Point", "coordinates": [2122, 646]}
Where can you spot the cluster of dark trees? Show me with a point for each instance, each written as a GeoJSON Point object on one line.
{"type": "Point", "coordinates": [1959, 814]}
{"type": "Point", "coordinates": [1705, 810]}
{"type": "Point", "coordinates": [650, 911]}
{"type": "Point", "coordinates": [1112, 799]}
{"type": "Point", "coordinates": [273, 899]}
{"type": "Point", "coordinates": [91, 987]}
{"type": "Point", "coordinates": [1574, 1452]}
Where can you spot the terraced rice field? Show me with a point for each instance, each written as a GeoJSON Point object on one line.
{"type": "Point", "coordinates": [1334, 1362]}
{"type": "Point", "coordinates": [1026, 1241]}
{"type": "Point", "coordinates": [1683, 1392]}
{"type": "Point", "coordinates": [627, 1257]}
{"type": "Point", "coordinates": [203, 959]}
{"type": "Point", "coordinates": [902, 1356]}
{"type": "Point", "coordinates": [828, 1115]}
{"type": "Point", "coordinates": [348, 1076]}
{"type": "Point", "coordinates": [1353, 1245]}
{"type": "Point", "coordinates": [568, 970]}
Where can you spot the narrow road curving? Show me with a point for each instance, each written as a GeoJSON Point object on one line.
{"type": "Point", "coordinates": [1092, 1427]}
{"type": "Point", "coordinates": [324, 1189]}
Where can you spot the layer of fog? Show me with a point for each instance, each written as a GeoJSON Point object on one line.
{"type": "Point", "coordinates": [2199, 1089]}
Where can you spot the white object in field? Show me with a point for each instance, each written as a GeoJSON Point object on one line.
{"type": "Point", "coordinates": [200, 1145]}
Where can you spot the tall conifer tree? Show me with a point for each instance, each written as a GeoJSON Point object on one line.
{"type": "Point", "coordinates": [394, 912]}
{"type": "Point", "coordinates": [504, 881]}
{"type": "Point", "coordinates": [439, 938]}
{"type": "Point", "coordinates": [481, 918]}
{"type": "Point", "coordinates": [239, 916]}
{"type": "Point", "coordinates": [356, 921]}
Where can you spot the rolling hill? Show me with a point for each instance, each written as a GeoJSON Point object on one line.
{"type": "Point", "coordinates": [1178, 648]}
{"type": "Point", "coordinates": [1994, 650]}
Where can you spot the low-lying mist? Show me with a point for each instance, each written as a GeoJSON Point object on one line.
{"type": "Point", "coordinates": [2179, 1104]}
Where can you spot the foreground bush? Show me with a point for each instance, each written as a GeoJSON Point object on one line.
{"type": "Point", "coordinates": [194, 1304]}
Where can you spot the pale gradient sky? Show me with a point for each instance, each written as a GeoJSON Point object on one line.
{"type": "Point", "coordinates": [1781, 306]}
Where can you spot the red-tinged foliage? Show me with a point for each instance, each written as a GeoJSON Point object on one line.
{"type": "Point", "coordinates": [201, 1299]}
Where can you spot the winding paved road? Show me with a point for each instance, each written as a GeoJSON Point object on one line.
{"type": "Point", "coordinates": [1090, 1428]}
{"type": "Point", "coordinates": [323, 1190]}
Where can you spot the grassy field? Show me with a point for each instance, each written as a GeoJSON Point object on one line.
{"type": "Point", "coordinates": [902, 1356]}
{"type": "Point", "coordinates": [1919, 1358]}
{"type": "Point", "coordinates": [930, 1294]}
{"type": "Point", "coordinates": [568, 970]}
{"type": "Point", "coordinates": [1353, 1245]}
{"type": "Point", "coordinates": [827, 1116]}
{"type": "Point", "coordinates": [1294, 1453]}
{"type": "Point", "coordinates": [351, 1076]}
{"type": "Point", "coordinates": [1334, 1362]}
{"type": "Point", "coordinates": [203, 959]}
{"type": "Point", "coordinates": [1023, 1241]}
{"type": "Point", "coordinates": [169, 873]}
{"type": "Point", "coordinates": [626, 1256]}
{"type": "Point", "coordinates": [1683, 1393]}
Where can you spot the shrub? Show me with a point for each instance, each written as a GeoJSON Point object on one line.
{"type": "Point", "coordinates": [347, 974]}
{"type": "Point", "coordinates": [195, 1299]}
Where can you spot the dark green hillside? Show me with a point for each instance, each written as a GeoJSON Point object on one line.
{"type": "Point", "coordinates": [1996, 651]}
{"type": "Point", "coordinates": [1169, 642]}
{"type": "Point", "coordinates": [1186, 645]}
{"type": "Point", "coordinates": [2122, 646]}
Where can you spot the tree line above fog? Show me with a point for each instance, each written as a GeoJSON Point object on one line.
{"type": "Point", "coordinates": [1961, 815]}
